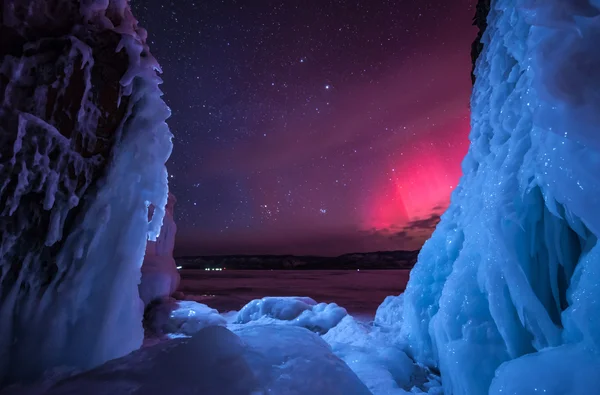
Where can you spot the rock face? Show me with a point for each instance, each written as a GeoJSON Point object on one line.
{"type": "Point", "coordinates": [83, 144]}
{"type": "Point", "coordinates": [160, 277]}
{"type": "Point", "coordinates": [479, 20]}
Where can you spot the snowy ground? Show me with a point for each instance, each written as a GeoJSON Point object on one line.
{"type": "Point", "coordinates": [359, 292]}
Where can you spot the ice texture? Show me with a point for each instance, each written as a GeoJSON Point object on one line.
{"type": "Point", "coordinates": [255, 360]}
{"type": "Point", "coordinates": [160, 277]}
{"type": "Point", "coordinates": [73, 300]}
{"type": "Point", "coordinates": [377, 356]}
{"type": "Point", "coordinates": [389, 313]}
{"type": "Point", "coordinates": [507, 288]}
{"type": "Point", "coordinates": [300, 311]}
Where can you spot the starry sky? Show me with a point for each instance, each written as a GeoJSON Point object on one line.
{"type": "Point", "coordinates": [315, 126]}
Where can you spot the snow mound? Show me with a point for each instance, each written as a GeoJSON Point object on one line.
{"type": "Point", "coordinates": [255, 360]}
{"type": "Point", "coordinates": [299, 311]}
{"type": "Point", "coordinates": [171, 317]}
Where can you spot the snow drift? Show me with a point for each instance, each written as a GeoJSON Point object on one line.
{"type": "Point", "coordinates": [84, 143]}
{"type": "Point", "coordinates": [506, 290]}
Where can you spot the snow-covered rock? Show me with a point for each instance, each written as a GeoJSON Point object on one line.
{"type": "Point", "coordinates": [180, 317]}
{"type": "Point", "coordinates": [506, 290]}
{"type": "Point", "coordinates": [300, 311]}
{"type": "Point", "coordinates": [160, 277]}
{"type": "Point", "coordinates": [83, 145]}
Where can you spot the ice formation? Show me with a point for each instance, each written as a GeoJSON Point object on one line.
{"type": "Point", "coordinates": [300, 311]}
{"type": "Point", "coordinates": [180, 317]}
{"type": "Point", "coordinates": [84, 143]}
{"type": "Point", "coordinates": [506, 292]}
{"type": "Point", "coordinates": [160, 277]}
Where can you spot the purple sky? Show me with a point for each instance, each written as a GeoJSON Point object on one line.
{"type": "Point", "coordinates": [312, 127]}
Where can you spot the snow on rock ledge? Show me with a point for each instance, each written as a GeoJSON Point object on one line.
{"type": "Point", "coordinates": [160, 277]}
{"type": "Point", "coordinates": [83, 142]}
{"type": "Point", "coordinates": [512, 268]}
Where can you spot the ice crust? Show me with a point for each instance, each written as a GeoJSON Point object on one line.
{"type": "Point", "coordinates": [506, 290]}
{"type": "Point", "coordinates": [90, 310]}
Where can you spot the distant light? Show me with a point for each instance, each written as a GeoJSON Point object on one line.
{"type": "Point", "coordinates": [327, 86]}
{"type": "Point", "coordinates": [358, 270]}
{"type": "Point", "coordinates": [179, 267]}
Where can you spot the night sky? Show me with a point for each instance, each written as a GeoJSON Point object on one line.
{"type": "Point", "coordinates": [315, 126]}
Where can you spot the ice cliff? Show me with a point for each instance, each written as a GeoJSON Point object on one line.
{"type": "Point", "coordinates": [83, 143]}
{"type": "Point", "coordinates": [505, 297]}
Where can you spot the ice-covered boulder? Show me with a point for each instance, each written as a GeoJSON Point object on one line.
{"type": "Point", "coordinates": [160, 277]}
{"type": "Point", "coordinates": [509, 278]}
{"type": "Point", "coordinates": [300, 311]}
{"type": "Point", "coordinates": [83, 145]}
{"type": "Point", "coordinates": [168, 316]}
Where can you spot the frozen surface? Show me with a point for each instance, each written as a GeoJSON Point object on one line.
{"type": "Point", "coordinates": [510, 277]}
{"type": "Point", "coordinates": [87, 310]}
{"type": "Point", "coordinates": [358, 292]}
{"type": "Point", "coordinates": [160, 277]}
{"type": "Point", "coordinates": [300, 311]}
{"type": "Point", "coordinates": [255, 360]}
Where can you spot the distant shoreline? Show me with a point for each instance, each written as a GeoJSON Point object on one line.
{"type": "Point", "coordinates": [381, 260]}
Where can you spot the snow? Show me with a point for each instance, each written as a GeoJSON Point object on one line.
{"type": "Point", "coordinates": [89, 311]}
{"type": "Point", "coordinates": [505, 293]}
{"type": "Point", "coordinates": [300, 311]}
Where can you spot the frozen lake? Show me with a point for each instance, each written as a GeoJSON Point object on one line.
{"type": "Point", "coordinates": [360, 292]}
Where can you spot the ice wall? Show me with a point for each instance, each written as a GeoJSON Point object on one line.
{"type": "Point", "coordinates": [506, 290]}
{"type": "Point", "coordinates": [83, 142]}
{"type": "Point", "coordinates": [160, 277]}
